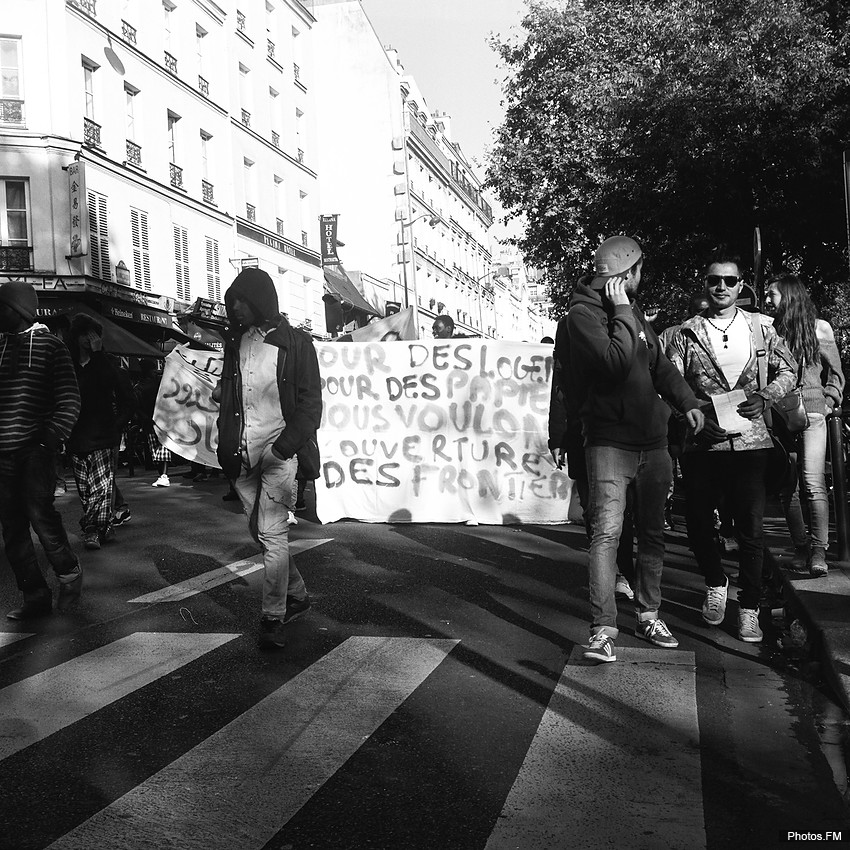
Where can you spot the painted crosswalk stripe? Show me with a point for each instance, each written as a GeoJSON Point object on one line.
{"type": "Point", "coordinates": [221, 575]}
{"type": "Point", "coordinates": [615, 761]}
{"type": "Point", "coordinates": [241, 785]}
{"type": "Point", "coordinates": [10, 637]}
{"type": "Point", "coordinates": [42, 704]}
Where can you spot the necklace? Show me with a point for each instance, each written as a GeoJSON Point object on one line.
{"type": "Point", "coordinates": [724, 331]}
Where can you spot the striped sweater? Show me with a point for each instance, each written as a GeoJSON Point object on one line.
{"type": "Point", "coordinates": [39, 398]}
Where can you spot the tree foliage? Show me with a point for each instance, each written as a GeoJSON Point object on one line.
{"type": "Point", "coordinates": [683, 123]}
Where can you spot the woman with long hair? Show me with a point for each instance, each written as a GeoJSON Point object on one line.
{"type": "Point", "coordinates": [812, 343]}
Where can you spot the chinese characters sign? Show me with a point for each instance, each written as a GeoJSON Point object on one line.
{"type": "Point", "coordinates": [79, 217]}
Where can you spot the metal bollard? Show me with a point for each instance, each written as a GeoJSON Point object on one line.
{"type": "Point", "coordinates": [839, 486]}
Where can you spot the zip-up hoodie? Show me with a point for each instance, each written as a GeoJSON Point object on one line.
{"type": "Point", "coordinates": [298, 376]}
{"type": "Point", "coordinates": [617, 372]}
{"type": "Point", "coordinates": [39, 398]}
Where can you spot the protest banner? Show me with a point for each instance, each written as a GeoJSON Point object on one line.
{"type": "Point", "coordinates": [185, 417]}
{"type": "Point", "coordinates": [438, 431]}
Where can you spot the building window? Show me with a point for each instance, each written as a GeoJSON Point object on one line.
{"type": "Point", "coordinates": [168, 18]}
{"type": "Point", "coordinates": [141, 250]}
{"type": "Point", "coordinates": [250, 191]}
{"type": "Point", "coordinates": [181, 262]}
{"type": "Point", "coordinates": [200, 47]}
{"type": "Point", "coordinates": [88, 88]}
{"type": "Point", "coordinates": [15, 249]}
{"type": "Point", "coordinates": [245, 94]}
{"type": "Point", "coordinates": [11, 84]}
{"type": "Point", "coordinates": [213, 273]}
{"type": "Point", "coordinates": [99, 237]}
{"type": "Point", "coordinates": [130, 94]}
{"type": "Point", "coordinates": [172, 136]}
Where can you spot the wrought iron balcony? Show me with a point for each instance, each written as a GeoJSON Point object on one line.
{"type": "Point", "coordinates": [203, 86]}
{"type": "Point", "coordinates": [250, 212]}
{"type": "Point", "coordinates": [304, 238]}
{"type": "Point", "coordinates": [11, 111]}
{"type": "Point", "coordinates": [87, 6]}
{"type": "Point", "coordinates": [170, 62]}
{"type": "Point", "coordinates": [240, 21]}
{"type": "Point", "coordinates": [134, 153]}
{"type": "Point", "coordinates": [300, 155]}
{"type": "Point", "coordinates": [276, 139]}
{"type": "Point", "coordinates": [207, 191]}
{"type": "Point", "coordinates": [91, 133]}
{"type": "Point", "coordinates": [176, 174]}
{"type": "Point", "coordinates": [270, 48]}
{"type": "Point", "coordinates": [246, 118]}
{"type": "Point", "coordinates": [128, 32]}
{"type": "Point", "coordinates": [280, 227]}
{"type": "Point", "coordinates": [15, 258]}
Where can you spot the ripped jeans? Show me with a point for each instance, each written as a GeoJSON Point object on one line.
{"type": "Point", "coordinates": [267, 492]}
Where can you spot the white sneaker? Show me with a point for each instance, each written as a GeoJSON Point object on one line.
{"type": "Point", "coordinates": [162, 481]}
{"type": "Point", "coordinates": [600, 649]}
{"type": "Point", "coordinates": [749, 630]}
{"type": "Point", "coordinates": [623, 588]}
{"type": "Point", "coordinates": [714, 607]}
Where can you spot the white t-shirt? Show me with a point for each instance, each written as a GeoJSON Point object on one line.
{"type": "Point", "coordinates": [733, 354]}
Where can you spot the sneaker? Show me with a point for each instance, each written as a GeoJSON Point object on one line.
{"type": "Point", "coordinates": [121, 516]}
{"type": "Point", "coordinates": [800, 558]}
{"type": "Point", "coordinates": [623, 588]}
{"type": "Point", "coordinates": [271, 634]}
{"type": "Point", "coordinates": [749, 630]}
{"type": "Point", "coordinates": [91, 539]}
{"type": "Point", "coordinates": [60, 489]}
{"type": "Point", "coordinates": [655, 631]}
{"type": "Point", "coordinates": [108, 535]}
{"type": "Point", "coordinates": [729, 544]}
{"type": "Point", "coordinates": [714, 607]}
{"type": "Point", "coordinates": [70, 587]}
{"type": "Point", "coordinates": [296, 608]}
{"type": "Point", "coordinates": [292, 520]}
{"type": "Point", "coordinates": [817, 563]}
{"type": "Point", "coordinates": [600, 648]}
{"type": "Point", "coordinates": [162, 481]}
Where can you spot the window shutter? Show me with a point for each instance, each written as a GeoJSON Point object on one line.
{"type": "Point", "coordinates": [181, 262]}
{"type": "Point", "coordinates": [99, 237]}
{"type": "Point", "coordinates": [141, 250]}
{"type": "Point", "coordinates": [213, 274]}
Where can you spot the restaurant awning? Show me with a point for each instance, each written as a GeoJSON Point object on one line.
{"type": "Point", "coordinates": [205, 337]}
{"type": "Point", "coordinates": [116, 340]}
{"type": "Point", "coordinates": [339, 286]}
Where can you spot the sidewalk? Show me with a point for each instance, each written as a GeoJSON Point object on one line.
{"type": "Point", "coordinates": [822, 604]}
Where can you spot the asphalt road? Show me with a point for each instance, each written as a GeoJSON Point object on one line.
{"type": "Point", "coordinates": [434, 697]}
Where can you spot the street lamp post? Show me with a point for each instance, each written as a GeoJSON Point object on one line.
{"type": "Point", "coordinates": [433, 221]}
{"type": "Point", "coordinates": [499, 271]}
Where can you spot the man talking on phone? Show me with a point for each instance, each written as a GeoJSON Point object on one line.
{"type": "Point", "coordinates": [617, 372]}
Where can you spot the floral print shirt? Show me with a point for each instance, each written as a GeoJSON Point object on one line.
{"type": "Point", "coordinates": [690, 351]}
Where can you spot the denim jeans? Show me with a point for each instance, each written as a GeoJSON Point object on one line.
{"type": "Point", "coordinates": [611, 472]}
{"type": "Point", "coordinates": [27, 484]}
{"type": "Point", "coordinates": [811, 460]}
{"type": "Point", "coordinates": [738, 478]}
{"type": "Point", "coordinates": [267, 492]}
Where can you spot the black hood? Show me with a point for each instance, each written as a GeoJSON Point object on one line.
{"type": "Point", "coordinates": [257, 288]}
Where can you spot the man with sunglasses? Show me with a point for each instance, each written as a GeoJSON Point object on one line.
{"type": "Point", "coordinates": [615, 372]}
{"type": "Point", "coordinates": [716, 354]}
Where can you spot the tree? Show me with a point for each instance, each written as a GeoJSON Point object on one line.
{"type": "Point", "coordinates": [683, 123]}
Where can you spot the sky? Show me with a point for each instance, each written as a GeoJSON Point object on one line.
{"type": "Point", "coordinates": [444, 45]}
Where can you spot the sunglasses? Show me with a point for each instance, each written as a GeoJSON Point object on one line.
{"type": "Point", "coordinates": [728, 279]}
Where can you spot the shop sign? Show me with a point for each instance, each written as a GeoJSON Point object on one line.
{"type": "Point", "coordinates": [79, 215]}
{"type": "Point", "coordinates": [282, 245]}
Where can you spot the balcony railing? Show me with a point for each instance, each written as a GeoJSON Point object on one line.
{"type": "Point", "coordinates": [270, 48]}
{"type": "Point", "coordinates": [11, 111]}
{"type": "Point", "coordinates": [87, 6]}
{"type": "Point", "coordinates": [300, 155]}
{"type": "Point", "coordinates": [207, 191]}
{"type": "Point", "coordinates": [280, 227]}
{"type": "Point", "coordinates": [91, 133]}
{"type": "Point", "coordinates": [296, 71]}
{"type": "Point", "coordinates": [246, 118]}
{"type": "Point", "coordinates": [15, 258]}
{"type": "Point", "coordinates": [134, 153]}
{"type": "Point", "coordinates": [240, 21]}
{"type": "Point", "coordinates": [170, 62]}
{"type": "Point", "coordinates": [250, 212]}
{"type": "Point", "coordinates": [128, 32]}
{"type": "Point", "coordinates": [304, 238]}
{"type": "Point", "coordinates": [203, 86]}
{"type": "Point", "coordinates": [176, 174]}
{"type": "Point", "coordinates": [276, 139]}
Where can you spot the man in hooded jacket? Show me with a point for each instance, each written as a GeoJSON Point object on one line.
{"type": "Point", "coordinates": [271, 406]}
{"type": "Point", "coordinates": [616, 372]}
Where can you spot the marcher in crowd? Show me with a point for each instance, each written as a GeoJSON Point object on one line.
{"type": "Point", "coordinates": [812, 342]}
{"type": "Point", "coordinates": [147, 393]}
{"type": "Point", "coordinates": [618, 371]}
{"type": "Point", "coordinates": [715, 352]}
{"type": "Point", "coordinates": [271, 405]}
{"type": "Point", "coordinates": [107, 403]}
{"type": "Point", "coordinates": [443, 327]}
{"type": "Point", "coordinates": [39, 404]}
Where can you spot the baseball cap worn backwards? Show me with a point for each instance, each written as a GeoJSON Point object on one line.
{"type": "Point", "coordinates": [615, 256]}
